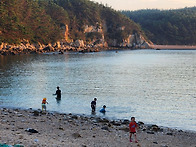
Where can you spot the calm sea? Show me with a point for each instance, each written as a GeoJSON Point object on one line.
{"type": "Point", "coordinates": [155, 86]}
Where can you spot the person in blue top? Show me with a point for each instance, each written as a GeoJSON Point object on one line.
{"type": "Point", "coordinates": [103, 109]}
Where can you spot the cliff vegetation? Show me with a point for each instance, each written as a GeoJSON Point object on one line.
{"type": "Point", "coordinates": [49, 21]}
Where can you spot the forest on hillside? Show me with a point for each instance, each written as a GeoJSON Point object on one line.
{"type": "Point", "coordinates": [172, 27]}
{"type": "Point", "coordinates": [41, 21]}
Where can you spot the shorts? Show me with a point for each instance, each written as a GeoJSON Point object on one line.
{"type": "Point", "coordinates": [44, 106]}
{"type": "Point", "coordinates": [132, 132]}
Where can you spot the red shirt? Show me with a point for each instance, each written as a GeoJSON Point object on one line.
{"type": "Point", "coordinates": [132, 126]}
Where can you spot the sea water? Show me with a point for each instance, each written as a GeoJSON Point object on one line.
{"type": "Point", "coordinates": [155, 86]}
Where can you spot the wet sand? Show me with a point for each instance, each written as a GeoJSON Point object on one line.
{"type": "Point", "coordinates": [67, 130]}
{"type": "Point", "coordinates": [173, 47]}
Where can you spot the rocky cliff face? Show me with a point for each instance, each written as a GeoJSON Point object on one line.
{"type": "Point", "coordinates": [133, 40]}
{"type": "Point", "coordinates": [94, 42]}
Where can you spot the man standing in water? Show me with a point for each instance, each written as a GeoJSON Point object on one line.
{"type": "Point", "coordinates": [93, 104]}
{"type": "Point", "coordinates": [58, 93]}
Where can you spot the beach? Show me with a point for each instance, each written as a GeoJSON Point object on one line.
{"type": "Point", "coordinates": [173, 47]}
{"type": "Point", "coordinates": [34, 128]}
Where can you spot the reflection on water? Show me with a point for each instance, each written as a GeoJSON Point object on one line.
{"type": "Point", "coordinates": [154, 86]}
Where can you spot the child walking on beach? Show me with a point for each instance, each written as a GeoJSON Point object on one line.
{"type": "Point", "coordinates": [132, 128]}
{"type": "Point", "coordinates": [44, 102]}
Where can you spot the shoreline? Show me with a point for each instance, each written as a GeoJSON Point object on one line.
{"type": "Point", "coordinates": [173, 47]}
{"type": "Point", "coordinates": [110, 119]}
{"type": "Point", "coordinates": [31, 49]}
{"type": "Point", "coordinates": [60, 129]}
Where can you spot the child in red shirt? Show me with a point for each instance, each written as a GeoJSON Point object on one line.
{"type": "Point", "coordinates": [132, 128]}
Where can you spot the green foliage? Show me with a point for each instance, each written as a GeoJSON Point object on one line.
{"type": "Point", "coordinates": [167, 26]}
{"type": "Point", "coordinates": [41, 21]}
{"type": "Point", "coordinates": [26, 19]}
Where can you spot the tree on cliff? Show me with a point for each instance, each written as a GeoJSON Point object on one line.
{"type": "Point", "coordinates": [26, 19]}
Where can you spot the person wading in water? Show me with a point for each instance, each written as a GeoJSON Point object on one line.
{"type": "Point", "coordinates": [93, 104]}
{"type": "Point", "coordinates": [58, 93]}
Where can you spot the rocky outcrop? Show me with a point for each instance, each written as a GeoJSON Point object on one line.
{"type": "Point", "coordinates": [79, 43]}
{"type": "Point", "coordinates": [135, 41]}
{"type": "Point", "coordinates": [58, 47]}
{"type": "Point", "coordinates": [95, 43]}
{"type": "Point", "coordinates": [97, 28]}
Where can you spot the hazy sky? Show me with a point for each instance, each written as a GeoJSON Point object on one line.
{"type": "Point", "coordinates": [144, 4]}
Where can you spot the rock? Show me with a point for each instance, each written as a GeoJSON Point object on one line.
{"type": "Point", "coordinates": [142, 127]}
{"type": "Point", "coordinates": [140, 123]}
{"type": "Point", "coordinates": [155, 128]}
{"type": "Point", "coordinates": [61, 52]}
{"type": "Point", "coordinates": [169, 133]}
{"type": "Point", "coordinates": [48, 49]}
{"type": "Point", "coordinates": [126, 121]}
{"type": "Point", "coordinates": [116, 123]}
{"type": "Point", "coordinates": [60, 128]}
{"type": "Point", "coordinates": [20, 127]}
{"type": "Point", "coordinates": [36, 113]}
{"type": "Point", "coordinates": [74, 117]}
{"type": "Point", "coordinates": [21, 137]}
{"type": "Point", "coordinates": [109, 125]}
{"type": "Point", "coordinates": [5, 113]}
{"type": "Point", "coordinates": [76, 135]}
{"type": "Point", "coordinates": [180, 131]}
{"type": "Point", "coordinates": [105, 128]}
{"type": "Point", "coordinates": [4, 53]}
{"type": "Point", "coordinates": [20, 115]}
{"type": "Point", "coordinates": [79, 43]}
{"type": "Point", "coordinates": [100, 120]}
{"type": "Point", "coordinates": [150, 132]}
{"type": "Point", "coordinates": [31, 130]}
{"type": "Point", "coordinates": [104, 120]}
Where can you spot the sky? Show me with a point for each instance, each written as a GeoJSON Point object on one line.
{"type": "Point", "coordinates": [147, 4]}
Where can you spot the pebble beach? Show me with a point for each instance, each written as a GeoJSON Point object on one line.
{"type": "Point", "coordinates": [33, 128]}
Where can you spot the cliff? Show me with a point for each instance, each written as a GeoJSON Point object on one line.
{"type": "Point", "coordinates": [63, 25]}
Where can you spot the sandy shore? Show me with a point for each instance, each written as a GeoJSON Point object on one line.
{"type": "Point", "coordinates": [67, 130]}
{"type": "Point", "coordinates": [173, 47]}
